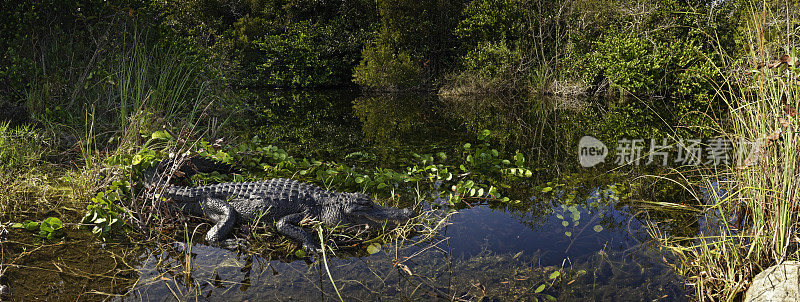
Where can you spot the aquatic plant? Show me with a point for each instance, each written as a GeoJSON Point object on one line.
{"type": "Point", "coordinates": [49, 228]}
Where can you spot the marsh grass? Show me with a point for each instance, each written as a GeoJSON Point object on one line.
{"type": "Point", "coordinates": [754, 226]}
{"type": "Point", "coordinates": [29, 184]}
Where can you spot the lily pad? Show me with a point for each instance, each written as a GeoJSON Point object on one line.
{"type": "Point", "coordinates": [374, 248]}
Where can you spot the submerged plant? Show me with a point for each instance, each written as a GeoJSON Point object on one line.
{"type": "Point", "coordinates": [50, 228]}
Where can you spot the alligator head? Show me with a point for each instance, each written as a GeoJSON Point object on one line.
{"type": "Point", "coordinates": [358, 208]}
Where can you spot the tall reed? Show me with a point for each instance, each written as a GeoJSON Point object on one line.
{"type": "Point", "coordinates": [753, 226]}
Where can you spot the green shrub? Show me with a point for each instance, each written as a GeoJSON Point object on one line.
{"type": "Point", "coordinates": [491, 59]}
{"type": "Point", "coordinates": [385, 68]}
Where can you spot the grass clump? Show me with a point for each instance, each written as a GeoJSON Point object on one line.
{"type": "Point", "coordinates": [752, 223]}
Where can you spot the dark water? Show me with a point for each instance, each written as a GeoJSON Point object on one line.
{"type": "Point", "coordinates": [584, 229]}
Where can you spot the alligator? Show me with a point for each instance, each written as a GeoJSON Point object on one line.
{"type": "Point", "coordinates": [283, 201]}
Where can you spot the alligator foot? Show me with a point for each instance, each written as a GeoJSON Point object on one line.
{"type": "Point", "coordinates": [234, 244]}
{"type": "Point", "coordinates": [289, 225]}
{"type": "Point", "coordinates": [312, 248]}
{"type": "Point", "coordinates": [221, 214]}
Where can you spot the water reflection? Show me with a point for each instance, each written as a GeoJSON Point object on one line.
{"type": "Point", "coordinates": [584, 227]}
{"type": "Point", "coordinates": [579, 227]}
{"type": "Point", "coordinates": [485, 252]}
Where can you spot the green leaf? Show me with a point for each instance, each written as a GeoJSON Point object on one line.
{"type": "Point", "coordinates": [550, 298]}
{"type": "Point", "coordinates": [137, 159]}
{"type": "Point", "coordinates": [17, 225]}
{"type": "Point", "coordinates": [467, 145]}
{"type": "Point", "coordinates": [46, 228]}
{"type": "Point", "coordinates": [300, 253]}
{"type": "Point", "coordinates": [555, 275]}
{"type": "Point", "coordinates": [598, 228]}
{"type": "Point", "coordinates": [539, 289]}
{"type": "Point", "coordinates": [565, 223]}
{"type": "Point", "coordinates": [31, 225]}
{"type": "Point", "coordinates": [547, 189]}
{"type": "Point", "coordinates": [161, 135]}
{"type": "Point", "coordinates": [54, 222]}
{"type": "Point", "coordinates": [569, 234]}
{"type": "Point", "coordinates": [373, 248]}
{"type": "Point", "coordinates": [559, 216]}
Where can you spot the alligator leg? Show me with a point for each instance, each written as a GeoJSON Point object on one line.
{"type": "Point", "coordinates": [289, 225]}
{"type": "Point", "coordinates": [222, 214]}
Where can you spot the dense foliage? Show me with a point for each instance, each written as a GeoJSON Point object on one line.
{"type": "Point", "coordinates": [667, 47]}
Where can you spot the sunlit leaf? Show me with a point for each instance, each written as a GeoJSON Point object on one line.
{"type": "Point", "coordinates": [161, 135]}
{"type": "Point", "coordinates": [565, 223]}
{"type": "Point", "coordinates": [137, 159]}
{"type": "Point", "coordinates": [598, 228]}
{"type": "Point", "coordinates": [31, 225]}
{"type": "Point", "coordinates": [539, 289]}
{"type": "Point", "coordinates": [569, 234]}
{"type": "Point", "coordinates": [555, 274]}
{"type": "Point", "coordinates": [547, 189]}
{"type": "Point", "coordinates": [374, 248]}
